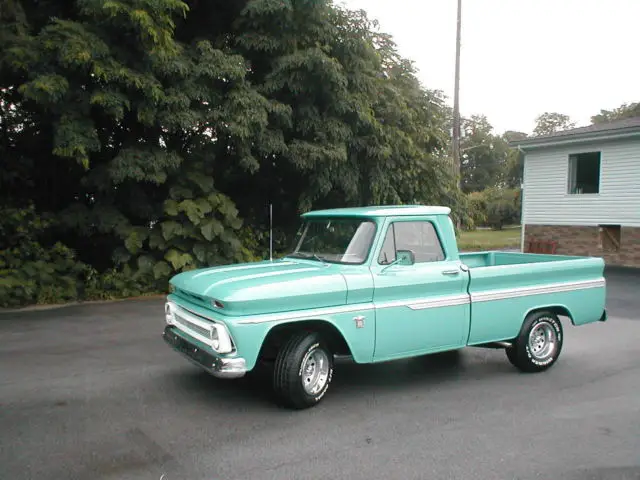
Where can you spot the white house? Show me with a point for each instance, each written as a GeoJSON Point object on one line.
{"type": "Point", "coordinates": [581, 190]}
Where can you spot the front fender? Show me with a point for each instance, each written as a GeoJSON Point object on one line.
{"type": "Point", "coordinates": [355, 323]}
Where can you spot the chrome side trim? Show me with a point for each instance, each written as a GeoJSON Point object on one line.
{"type": "Point", "coordinates": [429, 302]}
{"type": "Point", "coordinates": [415, 304]}
{"type": "Point", "coordinates": [507, 293]}
{"type": "Point", "coordinates": [452, 301]}
{"type": "Point", "coordinates": [307, 314]}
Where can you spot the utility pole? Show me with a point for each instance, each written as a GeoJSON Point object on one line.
{"type": "Point", "coordinates": [456, 103]}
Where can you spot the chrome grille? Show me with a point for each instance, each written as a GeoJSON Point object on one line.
{"type": "Point", "coordinates": [179, 319]}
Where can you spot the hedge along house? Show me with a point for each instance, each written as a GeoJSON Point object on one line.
{"type": "Point", "coordinates": [581, 191]}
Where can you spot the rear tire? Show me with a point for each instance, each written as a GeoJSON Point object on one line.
{"type": "Point", "coordinates": [303, 371]}
{"type": "Point", "coordinates": [539, 343]}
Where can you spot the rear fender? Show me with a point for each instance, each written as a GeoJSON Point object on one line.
{"type": "Point", "coordinates": [560, 310]}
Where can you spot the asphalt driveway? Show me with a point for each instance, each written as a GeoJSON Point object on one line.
{"type": "Point", "coordinates": [92, 392]}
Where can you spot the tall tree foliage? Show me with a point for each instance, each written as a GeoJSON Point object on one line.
{"type": "Point", "coordinates": [126, 107]}
{"type": "Point", "coordinates": [151, 134]}
{"type": "Point", "coordinates": [626, 110]}
{"type": "Point", "coordinates": [515, 160]}
{"type": "Point", "coordinates": [552, 122]}
{"type": "Point", "coordinates": [484, 155]}
{"type": "Point", "coordinates": [354, 125]}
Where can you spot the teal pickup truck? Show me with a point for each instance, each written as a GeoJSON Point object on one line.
{"type": "Point", "coordinates": [376, 284]}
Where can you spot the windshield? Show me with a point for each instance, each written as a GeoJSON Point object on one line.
{"type": "Point", "coordinates": [335, 240]}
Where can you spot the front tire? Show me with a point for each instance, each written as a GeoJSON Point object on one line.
{"type": "Point", "coordinates": [538, 344]}
{"type": "Point", "coordinates": [303, 371]}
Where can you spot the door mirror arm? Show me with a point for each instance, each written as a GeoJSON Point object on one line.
{"type": "Point", "coordinates": [403, 257]}
{"type": "Point", "coordinates": [386, 267]}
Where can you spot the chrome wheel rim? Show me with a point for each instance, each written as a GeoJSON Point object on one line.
{"type": "Point", "coordinates": [542, 341]}
{"type": "Point", "coordinates": [315, 372]}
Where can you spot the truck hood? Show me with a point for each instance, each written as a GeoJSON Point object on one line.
{"type": "Point", "coordinates": [263, 287]}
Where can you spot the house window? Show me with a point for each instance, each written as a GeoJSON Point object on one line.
{"type": "Point", "coordinates": [584, 173]}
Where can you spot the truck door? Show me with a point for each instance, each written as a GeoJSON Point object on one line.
{"type": "Point", "coordinates": [420, 295]}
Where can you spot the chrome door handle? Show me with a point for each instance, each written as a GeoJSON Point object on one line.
{"type": "Point", "coordinates": [451, 272]}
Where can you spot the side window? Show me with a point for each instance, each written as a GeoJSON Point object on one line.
{"type": "Point", "coordinates": [419, 237]}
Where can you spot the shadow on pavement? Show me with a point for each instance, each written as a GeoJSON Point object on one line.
{"type": "Point", "coordinates": [349, 379]}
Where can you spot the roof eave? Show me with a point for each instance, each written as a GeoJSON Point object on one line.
{"type": "Point", "coordinates": [577, 138]}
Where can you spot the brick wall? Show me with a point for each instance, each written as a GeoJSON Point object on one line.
{"type": "Point", "coordinates": [580, 240]}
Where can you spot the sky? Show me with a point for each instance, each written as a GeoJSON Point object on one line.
{"type": "Point", "coordinates": [520, 58]}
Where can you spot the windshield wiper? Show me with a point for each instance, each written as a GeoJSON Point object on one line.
{"type": "Point", "coordinates": [308, 255]}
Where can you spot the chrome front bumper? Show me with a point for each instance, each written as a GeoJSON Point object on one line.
{"type": "Point", "coordinates": [216, 366]}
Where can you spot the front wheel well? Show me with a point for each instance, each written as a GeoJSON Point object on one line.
{"type": "Point", "coordinates": [280, 333]}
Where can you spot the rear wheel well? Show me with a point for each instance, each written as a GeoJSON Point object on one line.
{"type": "Point", "coordinates": [279, 334]}
{"type": "Point", "coordinates": [557, 309]}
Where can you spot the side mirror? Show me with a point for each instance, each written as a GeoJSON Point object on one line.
{"type": "Point", "coordinates": [405, 257]}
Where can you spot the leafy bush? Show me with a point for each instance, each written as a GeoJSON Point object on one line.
{"type": "Point", "coordinates": [495, 207]}
{"type": "Point", "coordinates": [503, 207]}
{"type": "Point", "coordinates": [35, 273]}
{"type": "Point", "coordinates": [29, 271]}
{"type": "Point", "coordinates": [114, 284]}
{"type": "Point", "coordinates": [477, 210]}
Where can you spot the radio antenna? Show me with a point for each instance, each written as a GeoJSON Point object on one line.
{"type": "Point", "coordinates": [271, 232]}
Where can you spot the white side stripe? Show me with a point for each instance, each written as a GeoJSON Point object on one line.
{"type": "Point", "coordinates": [537, 290]}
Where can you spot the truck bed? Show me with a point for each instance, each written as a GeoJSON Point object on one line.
{"type": "Point", "coordinates": [497, 258]}
{"type": "Point", "coordinates": [504, 286]}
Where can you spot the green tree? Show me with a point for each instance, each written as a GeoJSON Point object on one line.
{"type": "Point", "coordinates": [118, 119]}
{"type": "Point", "coordinates": [483, 155]}
{"type": "Point", "coordinates": [515, 160]}
{"type": "Point", "coordinates": [626, 110]}
{"type": "Point", "coordinates": [353, 125]}
{"type": "Point", "coordinates": [152, 134]}
{"type": "Point", "coordinates": [495, 207]}
{"type": "Point", "coordinates": [549, 123]}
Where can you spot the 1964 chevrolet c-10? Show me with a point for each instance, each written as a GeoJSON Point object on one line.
{"type": "Point", "coordinates": [376, 284]}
